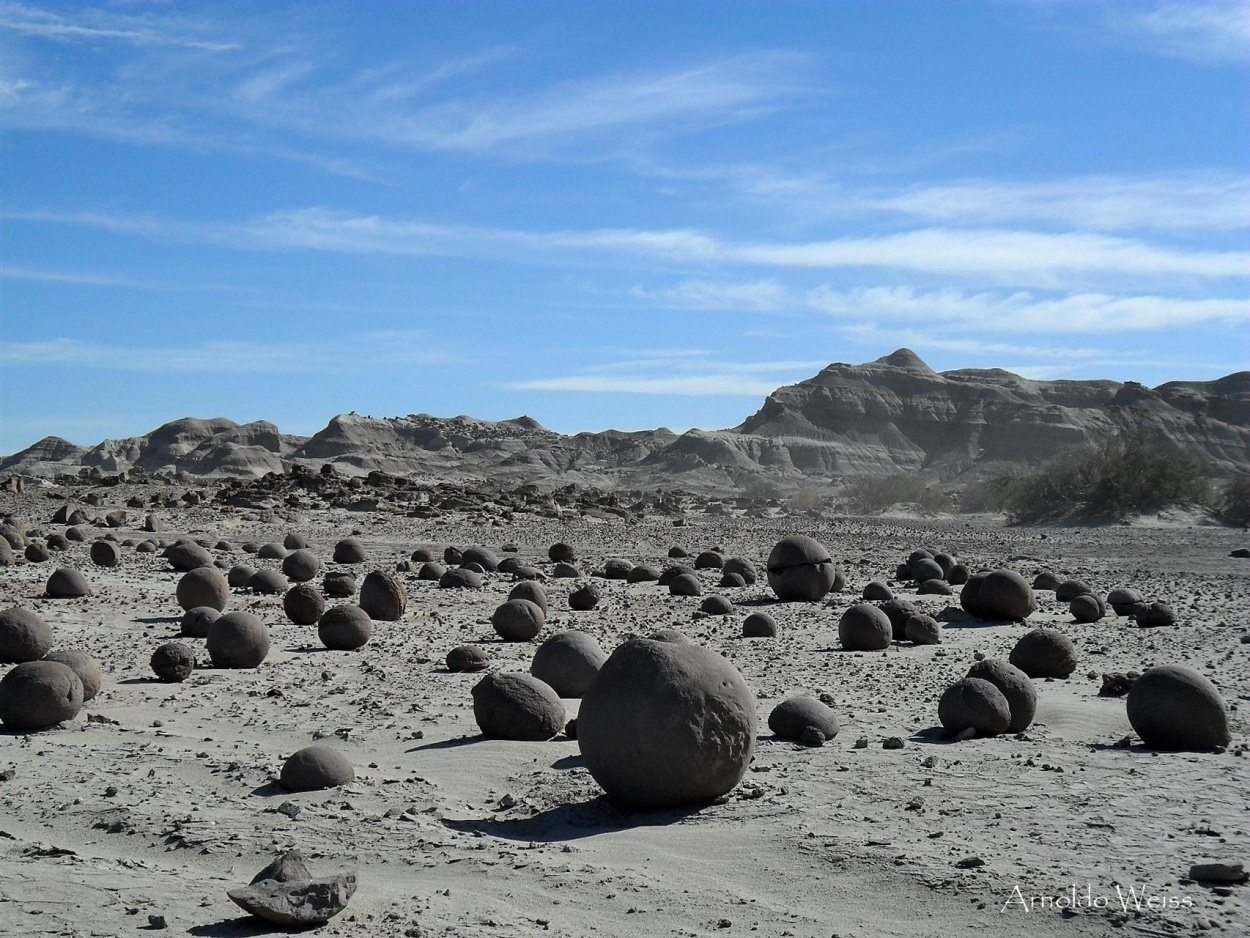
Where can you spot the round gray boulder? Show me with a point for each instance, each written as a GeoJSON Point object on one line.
{"type": "Point", "coordinates": [974, 703]}
{"type": "Point", "coordinates": [797, 716]}
{"type": "Point", "coordinates": [508, 705]}
{"type": "Point", "coordinates": [1174, 707]}
{"type": "Point", "coordinates": [864, 627]}
{"type": "Point", "coordinates": [382, 596]}
{"type": "Point", "coordinates": [345, 628]}
{"type": "Point", "coordinates": [569, 662]}
{"type": "Point", "coordinates": [203, 586]}
{"type": "Point", "coordinates": [1044, 652]}
{"type": "Point", "coordinates": [238, 640]}
{"type": "Point", "coordinates": [800, 569]}
{"type": "Point", "coordinates": [315, 768]}
{"type": "Point", "coordinates": [37, 695]}
{"type": "Point", "coordinates": [24, 636]}
{"type": "Point", "coordinates": [518, 620]}
{"type": "Point", "coordinates": [1015, 686]}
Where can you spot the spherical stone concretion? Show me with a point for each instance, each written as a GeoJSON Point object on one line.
{"type": "Point", "coordinates": [460, 578]}
{"type": "Point", "coordinates": [272, 551]}
{"type": "Point", "coordinates": [670, 573]}
{"type": "Point", "coordinates": [569, 662]}
{"type": "Point", "coordinates": [927, 569]}
{"type": "Point", "coordinates": [350, 550]}
{"type": "Point", "coordinates": [743, 567]}
{"type": "Point", "coordinates": [173, 662]}
{"type": "Point", "coordinates": [957, 575]}
{"type": "Point", "coordinates": [24, 635]}
{"type": "Point", "coordinates": [196, 620]}
{"type": "Point", "coordinates": [666, 725]}
{"type": "Point", "coordinates": [974, 703]}
{"type": "Point", "coordinates": [484, 558]}
{"type": "Point", "coordinates": [508, 705]}
{"type": "Point", "coordinates": [864, 627]}
{"type": "Point", "coordinates": [898, 611]}
{"type": "Point", "coordinates": [585, 597]}
{"type": "Point", "coordinates": [717, 605]}
{"type": "Point", "coordinates": [82, 664]}
{"type": "Point", "coordinates": [1087, 608]}
{"type": "Point", "coordinates": [1015, 686]}
{"type": "Point", "coordinates": [383, 597]}
{"type": "Point", "coordinates": [268, 583]}
{"type": "Point", "coordinates": [339, 584]}
{"type": "Point", "coordinates": [791, 718]}
{"type": "Point", "coordinates": [240, 575]}
{"type": "Point", "coordinates": [1068, 590]}
{"type": "Point", "coordinates": [345, 628]}
{"type": "Point", "coordinates": [528, 589]}
{"type": "Point", "coordinates": [676, 636]}
{"type": "Point", "coordinates": [187, 556]}
{"type": "Point", "coordinates": [303, 604]}
{"type": "Point", "coordinates": [1044, 652]}
{"type": "Point", "coordinates": [1004, 594]}
{"type": "Point", "coordinates": [467, 658]}
{"type": "Point", "coordinates": [518, 620]}
{"type": "Point", "coordinates": [301, 565]}
{"type": "Point", "coordinates": [203, 586]}
{"type": "Point", "coordinates": [294, 541]}
{"type": "Point", "coordinates": [759, 625]}
{"type": "Point", "coordinates": [923, 629]}
{"type": "Point", "coordinates": [1046, 581]}
{"type": "Point", "coordinates": [685, 584]}
{"type": "Point", "coordinates": [617, 568]}
{"type": "Point", "coordinates": [709, 560]}
{"type": "Point", "coordinates": [934, 588]}
{"type": "Point", "coordinates": [67, 584]}
{"type": "Point", "coordinates": [876, 591]}
{"type": "Point", "coordinates": [1154, 615]}
{"type": "Point", "coordinates": [105, 554]}
{"type": "Point", "coordinates": [970, 595]}
{"type": "Point", "coordinates": [561, 552]}
{"type": "Point", "coordinates": [37, 695]}
{"type": "Point", "coordinates": [800, 569]}
{"type": "Point", "coordinates": [315, 768]}
{"type": "Point", "coordinates": [238, 640]}
{"type": "Point", "coordinates": [1176, 708]}
{"type": "Point", "coordinates": [432, 571]}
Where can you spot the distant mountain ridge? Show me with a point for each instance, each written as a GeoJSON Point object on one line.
{"type": "Point", "coordinates": [889, 415]}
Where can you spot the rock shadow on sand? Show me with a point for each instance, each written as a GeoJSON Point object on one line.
{"type": "Point", "coordinates": [241, 927]}
{"type": "Point", "coordinates": [572, 821]}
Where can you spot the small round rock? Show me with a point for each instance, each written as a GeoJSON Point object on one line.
{"type": "Point", "coordinates": [383, 597]}
{"type": "Point", "coordinates": [1015, 686]}
{"type": "Point", "coordinates": [759, 625]}
{"type": "Point", "coordinates": [518, 620]}
{"type": "Point", "coordinates": [685, 584]}
{"type": "Point", "coordinates": [195, 621]}
{"type": "Point", "coordinates": [1044, 652]}
{"type": "Point", "coordinates": [585, 597]}
{"type": "Point", "coordinates": [315, 768]}
{"type": "Point", "coordinates": [794, 717]}
{"type": "Point", "coordinates": [303, 604]}
{"type": "Point", "coordinates": [203, 586]}
{"type": "Point", "coordinates": [467, 658]}
{"type": "Point", "coordinates": [67, 584]}
{"type": "Point", "coordinates": [173, 662]}
{"type": "Point", "coordinates": [974, 703]}
{"type": "Point", "coordinates": [864, 627]}
{"type": "Point", "coordinates": [717, 605]}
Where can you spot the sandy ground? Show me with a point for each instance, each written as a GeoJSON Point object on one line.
{"type": "Point", "coordinates": [160, 797]}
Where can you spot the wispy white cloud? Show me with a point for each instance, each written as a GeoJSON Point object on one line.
{"type": "Point", "coordinates": [1214, 32]}
{"type": "Point", "coordinates": [363, 352]}
{"type": "Point", "coordinates": [1026, 312]}
{"type": "Point", "coordinates": [758, 296]}
{"type": "Point", "coordinates": [95, 24]}
{"type": "Point", "coordinates": [696, 374]}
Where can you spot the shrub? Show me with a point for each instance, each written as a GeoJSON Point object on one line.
{"type": "Point", "coordinates": [873, 493]}
{"type": "Point", "coordinates": [1233, 505]}
{"type": "Point", "coordinates": [1131, 471]}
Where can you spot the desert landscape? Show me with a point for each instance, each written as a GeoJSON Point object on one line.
{"type": "Point", "coordinates": [146, 807]}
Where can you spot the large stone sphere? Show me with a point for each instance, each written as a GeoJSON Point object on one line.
{"type": "Point", "coordinates": [800, 717]}
{"type": "Point", "coordinates": [36, 695]}
{"type": "Point", "coordinates": [1068, 590]}
{"type": "Point", "coordinates": [67, 584]}
{"type": "Point", "coordinates": [508, 705]}
{"type": "Point", "coordinates": [272, 551]}
{"type": "Point", "coordinates": [709, 560]}
{"type": "Point", "coordinates": [350, 550]}
{"type": "Point", "coordinates": [864, 627]}
{"type": "Point", "coordinates": [800, 569]}
{"type": "Point", "coordinates": [203, 586]}
{"type": "Point", "coordinates": [1015, 686]}
{"type": "Point", "coordinates": [467, 658]}
{"type": "Point", "coordinates": [927, 569]}
{"type": "Point", "coordinates": [666, 724]}
{"type": "Point", "coordinates": [642, 573]}
{"type": "Point", "coordinates": [339, 584]}
{"type": "Point", "coordinates": [759, 625]}
{"type": "Point", "coordinates": [518, 620]}
{"type": "Point", "coordinates": [585, 597]}
{"type": "Point", "coordinates": [82, 664]}
{"type": "Point", "coordinates": [268, 582]}
{"type": "Point", "coordinates": [1005, 594]}
{"type": "Point", "coordinates": [383, 597]}
{"type": "Point", "coordinates": [974, 703]}
{"type": "Point", "coordinates": [432, 571]}
{"type": "Point", "coordinates": [301, 565]}
{"type": "Point", "coordinates": [105, 554]}
{"type": "Point", "coordinates": [1154, 615]}
{"type": "Point", "coordinates": [1175, 707]}
{"type": "Point", "coordinates": [484, 558]}
{"type": "Point", "coordinates": [196, 620]}
{"type": "Point", "coordinates": [717, 605]}
{"type": "Point", "coordinates": [685, 584]}
{"type": "Point", "coordinates": [670, 573]}
{"type": "Point", "coordinates": [743, 567]}
{"type": "Point", "coordinates": [567, 571]}
{"type": "Point", "coordinates": [460, 578]}
{"type": "Point", "coordinates": [187, 555]}
{"type": "Point", "coordinates": [173, 662]}
{"type": "Point", "coordinates": [345, 628]}
{"type": "Point", "coordinates": [534, 592]}
{"type": "Point", "coordinates": [240, 575]}
{"type": "Point", "coordinates": [1088, 607]}
{"type": "Point", "coordinates": [569, 662]}
{"type": "Point", "coordinates": [1044, 652]}
{"type": "Point", "coordinates": [24, 636]}
{"type": "Point", "coordinates": [294, 541]}
{"type": "Point", "coordinates": [876, 591]}
{"type": "Point", "coordinates": [923, 629]}
{"type": "Point", "coordinates": [303, 604]}
{"type": "Point", "coordinates": [314, 768]}
{"type": "Point", "coordinates": [238, 640]}
{"type": "Point", "coordinates": [970, 595]}
{"type": "Point", "coordinates": [561, 552]}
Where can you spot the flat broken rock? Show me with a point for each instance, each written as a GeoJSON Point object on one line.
{"type": "Point", "coordinates": [301, 903]}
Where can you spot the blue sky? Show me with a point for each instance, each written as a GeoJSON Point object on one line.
{"type": "Point", "coordinates": [604, 214]}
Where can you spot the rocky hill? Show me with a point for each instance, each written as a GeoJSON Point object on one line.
{"type": "Point", "coordinates": [893, 414]}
